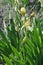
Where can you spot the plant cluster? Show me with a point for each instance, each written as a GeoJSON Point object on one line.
{"type": "Point", "coordinates": [21, 43]}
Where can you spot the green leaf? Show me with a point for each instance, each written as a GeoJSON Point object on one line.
{"type": "Point", "coordinates": [8, 62]}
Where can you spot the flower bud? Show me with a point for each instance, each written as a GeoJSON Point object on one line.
{"type": "Point", "coordinates": [23, 11]}
{"type": "Point", "coordinates": [33, 14]}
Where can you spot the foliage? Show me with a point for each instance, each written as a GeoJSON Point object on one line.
{"type": "Point", "coordinates": [22, 44]}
